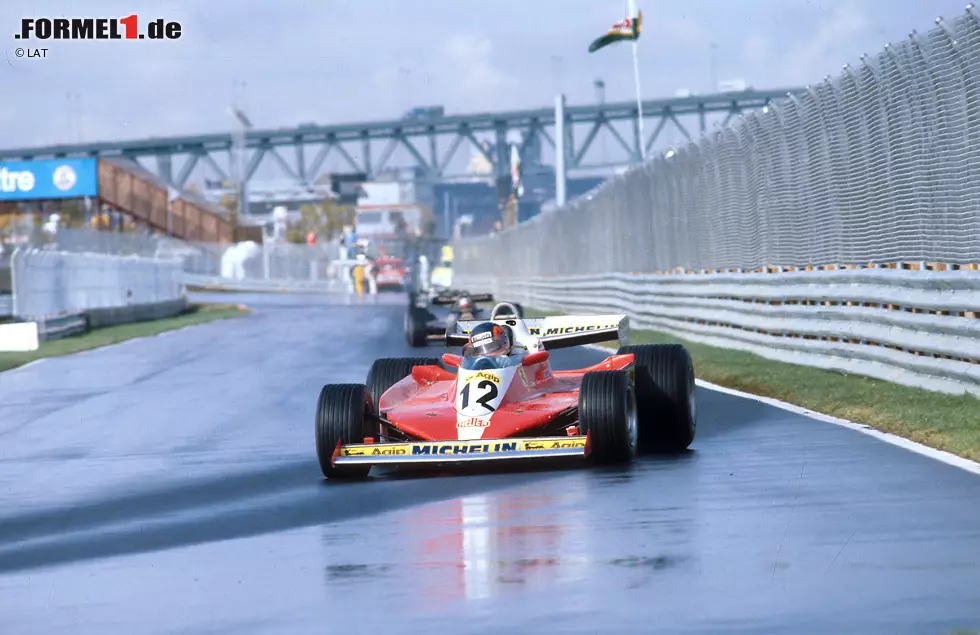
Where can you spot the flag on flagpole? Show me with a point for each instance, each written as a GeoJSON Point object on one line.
{"type": "Point", "coordinates": [625, 31]}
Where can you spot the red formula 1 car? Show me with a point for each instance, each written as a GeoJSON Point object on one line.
{"type": "Point", "coordinates": [511, 405]}
{"type": "Point", "coordinates": [390, 273]}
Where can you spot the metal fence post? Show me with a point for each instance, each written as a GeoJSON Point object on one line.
{"type": "Point", "coordinates": [15, 281]}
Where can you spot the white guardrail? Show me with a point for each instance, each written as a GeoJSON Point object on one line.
{"type": "Point", "coordinates": [913, 327]}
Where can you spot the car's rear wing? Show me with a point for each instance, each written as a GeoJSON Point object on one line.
{"type": "Point", "coordinates": [451, 298]}
{"type": "Point", "coordinates": [558, 331]}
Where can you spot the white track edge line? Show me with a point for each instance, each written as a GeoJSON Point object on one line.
{"type": "Point", "coordinates": [939, 455]}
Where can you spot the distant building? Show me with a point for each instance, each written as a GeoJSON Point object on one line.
{"type": "Point", "coordinates": [265, 196]}
{"type": "Point", "coordinates": [479, 200]}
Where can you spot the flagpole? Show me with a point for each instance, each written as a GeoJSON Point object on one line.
{"type": "Point", "coordinates": [636, 80]}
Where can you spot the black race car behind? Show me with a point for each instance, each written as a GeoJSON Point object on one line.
{"type": "Point", "coordinates": [429, 316]}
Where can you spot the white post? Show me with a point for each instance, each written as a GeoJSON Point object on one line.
{"type": "Point", "coordinates": [636, 80]}
{"type": "Point", "coordinates": [445, 215]}
{"type": "Point", "coordinates": [560, 150]}
{"type": "Point", "coordinates": [265, 255]}
{"type": "Point", "coordinates": [15, 273]}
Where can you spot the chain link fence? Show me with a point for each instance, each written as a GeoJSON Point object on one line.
{"type": "Point", "coordinates": [881, 164]}
{"type": "Point", "coordinates": [247, 261]}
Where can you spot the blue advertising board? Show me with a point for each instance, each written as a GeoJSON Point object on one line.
{"type": "Point", "coordinates": [55, 178]}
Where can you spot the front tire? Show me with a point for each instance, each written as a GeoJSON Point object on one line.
{"type": "Point", "coordinates": [608, 414]}
{"type": "Point", "coordinates": [665, 391]}
{"type": "Point", "coordinates": [342, 415]}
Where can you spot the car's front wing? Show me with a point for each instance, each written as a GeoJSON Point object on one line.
{"type": "Point", "coordinates": [416, 452]}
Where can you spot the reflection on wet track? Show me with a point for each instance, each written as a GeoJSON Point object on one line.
{"type": "Point", "coordinates": [170, 484]}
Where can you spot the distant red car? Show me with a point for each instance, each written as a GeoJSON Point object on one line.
{"type": "Point", "coordinates": [390, 273]}
{"type": "Point", "coordinates": [413, 411]}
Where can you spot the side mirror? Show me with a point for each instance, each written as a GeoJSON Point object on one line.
{"type": "Point", "coordinates": [535, 358]}
{"type": "Point", "coordinates": [451, 360]}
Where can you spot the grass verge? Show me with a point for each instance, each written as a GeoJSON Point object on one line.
{"type": "Point", "coordinates": [945, 422]}
{"type": "Point", "coordinates": [196, 314]}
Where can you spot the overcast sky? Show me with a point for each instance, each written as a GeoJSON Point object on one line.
{"type": "Point", "coordinates": [332, 61]}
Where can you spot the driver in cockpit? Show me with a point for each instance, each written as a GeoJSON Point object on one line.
{"type": "Point", "coordinates": [465, 308]}
{"type": "Point", "coordinates": [490, 344]}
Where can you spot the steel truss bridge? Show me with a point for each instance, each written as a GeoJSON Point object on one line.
{"type": "Point", "coordinates": [408, 134]}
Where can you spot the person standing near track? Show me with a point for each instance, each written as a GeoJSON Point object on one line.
{"type": "Point", "coordinates": [358, 273]}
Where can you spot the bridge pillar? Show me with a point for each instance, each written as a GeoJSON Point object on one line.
{"type": "Point", "coordinates": [501, 162]}
{"type": "Point", "coordinates": [501, 166]}
{"type": "Point", "coordinates": [301, 162]}
{"type": "Point", "coordinates": [165, 167]}
{"type": "Point", "coordinates": [366, 151]}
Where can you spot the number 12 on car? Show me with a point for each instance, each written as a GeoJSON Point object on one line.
{"type": "Point", "coordinates": [480, 394]}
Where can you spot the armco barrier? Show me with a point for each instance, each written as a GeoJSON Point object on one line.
{"type": "Point", "coordinates": [55, 328]}
{"type": "Point", "coordinates": [111, 316]}
{"type": "Point", "coordinates": [918, 328]}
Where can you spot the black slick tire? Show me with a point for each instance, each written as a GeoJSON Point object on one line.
{"type": "Point", "coordinates": [416, 327]}
{"type": "Point", "coordinates": [665, 395]}
{"type": "Point", "coordinates": [607, 413]}
{"type": "Point", "coordinates": [342, 415]}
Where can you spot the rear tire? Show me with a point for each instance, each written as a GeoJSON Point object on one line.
{"type": "Point", "coordinates": [665, 394]}
{"type": "Point", "coordinates": [607, 412]}
{"type": "Point", "coordinates": [388, 371]}
{"type": "Point", "coordinates": [342, 415]}
{"type": "Point", "coordinates": [416, 328]}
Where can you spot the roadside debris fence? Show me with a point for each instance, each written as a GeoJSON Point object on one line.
{"type": "Point", "coordinates": [837, 227]}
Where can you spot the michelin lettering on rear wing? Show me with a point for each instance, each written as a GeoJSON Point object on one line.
{"type": "Point", "coordinates": [559, 331]}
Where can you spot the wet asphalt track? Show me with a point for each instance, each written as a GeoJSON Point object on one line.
{"type": "Point", "coordinates": [170, 485]}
